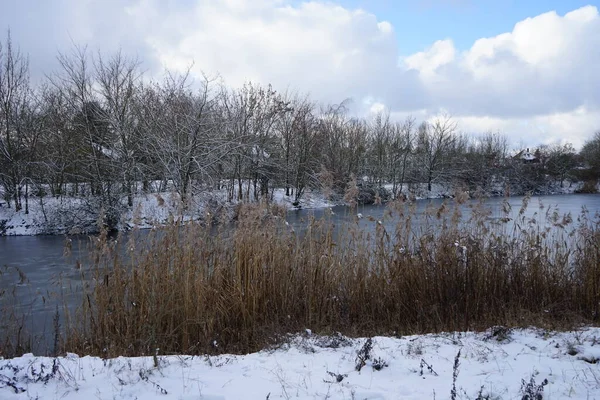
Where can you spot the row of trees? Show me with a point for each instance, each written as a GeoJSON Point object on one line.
{"type": "Point", "coordinates": [98, 129]}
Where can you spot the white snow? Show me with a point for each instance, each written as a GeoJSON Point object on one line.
{"type": "Point", "coordinates": [528, 156]}
{"type": "Point", "coordinates": [497, 364]}
{"type": "Point", "coordinates": [148, 210]}
{"type": "Point", "coordinates": [438, 190]}
{"type": "Point", "coordinates": [310, 199]}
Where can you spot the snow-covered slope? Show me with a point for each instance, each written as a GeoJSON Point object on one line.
{"type": "Point", "coordinates": [499, 364]}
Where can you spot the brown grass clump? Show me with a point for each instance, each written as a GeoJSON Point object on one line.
{"type": "Point", "coordinates": [195, 289]}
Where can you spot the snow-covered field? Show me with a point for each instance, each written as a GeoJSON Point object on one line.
{"type": "Point", "coordinates": [498, 364]}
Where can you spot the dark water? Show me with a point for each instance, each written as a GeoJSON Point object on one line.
{"type": "Point", "coordinates": [537, 207]}
{"type": "Point", "coordinates": [37, 274]}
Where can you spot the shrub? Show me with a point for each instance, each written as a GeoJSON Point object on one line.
{"type": "Point", "coordinates": [589, 187]}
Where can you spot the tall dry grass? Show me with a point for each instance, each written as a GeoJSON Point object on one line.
{"type": "Point", "coordinates": [191, 288]}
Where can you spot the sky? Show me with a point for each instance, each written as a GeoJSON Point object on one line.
{"type": "Point", "coordinates": [526, 69]}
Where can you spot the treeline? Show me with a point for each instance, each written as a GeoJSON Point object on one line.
{"type": "Point", "coordinates": [99, 129]}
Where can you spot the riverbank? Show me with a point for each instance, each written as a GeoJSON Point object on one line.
{"type": "Point", "coordinates": [71, 215]}
{"type": "Point", "coordinates": [497, 364]}
{"type": "Point", "coordinates": [68, 215]}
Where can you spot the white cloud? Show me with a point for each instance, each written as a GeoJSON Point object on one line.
{"type": "Point", "coordinates": [427, 62]}
{"type": "Point", "coordinates": [573, 127]}
{"type": "Point", "coordinates": [322, 48]}
{"type": "Point", "coordinates": [545, 65]}
{"type": "Point", "coordinates": [536, 82]}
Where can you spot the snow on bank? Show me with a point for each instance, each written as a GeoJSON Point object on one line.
{"type": "Point", "coordinates": [438, 190]}
{"type": "Point", "coordinates": [499, 364]}
{"type": "Point", "coordinates": [310, 200]}
{"type": "Point", "coordinates": [69, 215]}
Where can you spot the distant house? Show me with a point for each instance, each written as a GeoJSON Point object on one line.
{"type": "Point", "coordinates": [526, 157]}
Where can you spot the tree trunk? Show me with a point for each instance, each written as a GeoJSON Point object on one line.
{"type": "Point", "coordinates": [26, 198]}
{"type": "Point", "coordinates": [17, 198]}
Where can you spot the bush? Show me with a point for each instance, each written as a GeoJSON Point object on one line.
{"type": "Point", "coordinates": [589, 187]}
{"type": "Point", "coordinates": [3, 226]}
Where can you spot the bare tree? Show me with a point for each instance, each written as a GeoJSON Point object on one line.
{"type": "Point", "coordinates": [292, 128]}
{"type": "Point", "coordinates": [344, 145]}
{"type": "Point", "coordinates": [117, 78]}
{"type": "Point", "coordinates": [251, 114]}
{"type": "Point", "coordinates": [332, 125]}
{"type": "Point", "coordinates": [380, 133]}
{"type": "Point", "coordinates": [590, 153]}
{"type": "Point", "coordinates": [306, 159]}
{"type": "Point", "coordinates": [484, 160]}
{"type": "Point", "coordinates": [15, 96]}
{"type": "Point", "coordinates": [434, 143]}
{"type": "Point", "coordinates": [560, 159]}
{"type": "Point", "coordinates": [61, 146]}
{"type": "Point", "coordinates": [90, 122]}
{"type": "Point", "coordinates": [182, 127]}
{"type": "Point", "coordinates": [401, 147]}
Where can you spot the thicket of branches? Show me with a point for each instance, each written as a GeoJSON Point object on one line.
{"type": "Point", "coordinates": [99, 129]}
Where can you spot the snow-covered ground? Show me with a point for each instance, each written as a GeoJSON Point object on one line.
{"type": "Point", "coordinates": [498, 364]}
{"type": "Point", "coordinates": [67, 215]}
